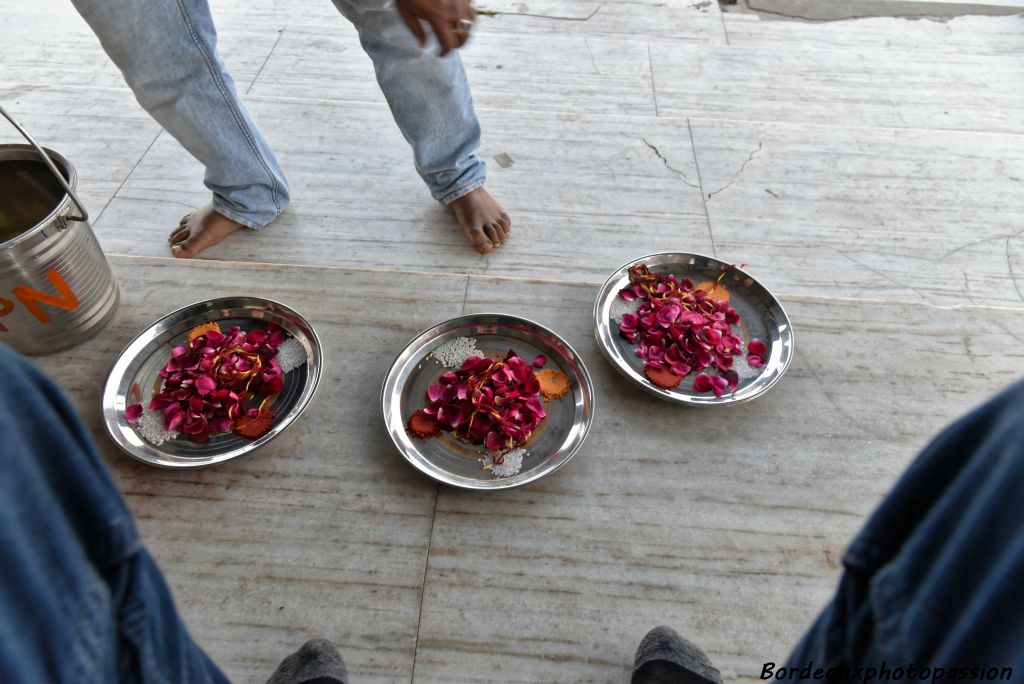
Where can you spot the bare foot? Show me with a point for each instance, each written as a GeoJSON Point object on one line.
{"type": "Point", "coordinates": [482, 219]}
{"type": "Point", "coordinates": [203, 228]}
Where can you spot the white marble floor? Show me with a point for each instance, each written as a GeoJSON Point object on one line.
{"type": "Point", "coordinates": [871, 172]}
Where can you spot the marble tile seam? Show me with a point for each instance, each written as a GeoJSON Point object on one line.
{"type": "Point", "coordinates": [700, 182]}
{"type": "Point", "coordinates": [909, 16]}
{"type": "Point", "coordinates": [96, 219]}
{"type": "Point", "coordinates": [263, 64]}
{"type": "Point", "coordinates": [651, 118]}
{"type": "Point", "coordinates": [785, 296]}
{"type": "Point", "coordinates": [712, 40]}
{"type": "Point", "coordinates": [9, 83]}
{"type": "Point", "coordinates": [699, 120]}
{"type": "Point", "coordinates": [426, 564]}
{"type": "Point", "coordinates": [681, 120]}
{"type": "Point", "coordinates": [825, 299]}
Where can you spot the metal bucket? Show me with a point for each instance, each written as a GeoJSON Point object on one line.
{"type": "Point", "coordinates": [56, 288]}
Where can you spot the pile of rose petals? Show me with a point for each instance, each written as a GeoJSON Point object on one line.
{"type": "Point", "coordinates": [211, 382]}
{"type": "Point", "coordinates": [487, 401]}
{"type": "Point", "coordinates": [680, 329]}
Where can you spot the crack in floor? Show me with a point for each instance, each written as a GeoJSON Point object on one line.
{"type": "Point", "coordinates": [683, 176]}
{"type": "Point", "coordinates": [750, 157]}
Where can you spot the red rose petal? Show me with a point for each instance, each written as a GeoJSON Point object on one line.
{"type": "Point", "coordinates": [702, 383]}
{"type": "Point", "coordinates": [680, 329]}
{"type": "Point", "coordinates": [133, 412]}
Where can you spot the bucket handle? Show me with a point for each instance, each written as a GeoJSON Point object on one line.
{"type": "Point", "coordinates": [84, 215]}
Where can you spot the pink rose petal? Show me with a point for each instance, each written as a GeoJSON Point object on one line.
{"type": "Point", "coordinates": [205, 384]}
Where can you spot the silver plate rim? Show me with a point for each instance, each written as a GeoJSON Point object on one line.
{"type": "Point", "coordinates": [605, 335]}
{"type": "Point", "coordinates": [390, 394]}
{"type": "Point", "coordinates": [112, 401]}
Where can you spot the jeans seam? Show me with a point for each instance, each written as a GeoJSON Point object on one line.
{"type": "Point", "coordinates": [227, 101]}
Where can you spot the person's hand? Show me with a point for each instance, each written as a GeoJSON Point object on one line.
{"type": "Point", "coordinates": [451, 20]}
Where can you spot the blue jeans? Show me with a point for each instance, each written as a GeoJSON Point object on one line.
{"type": "Point", "coordinates": [932, 581]}
{"type": "Point", "coordinates": [81, 600]}
{"type": "Point", "coordinates": [936, 577]}
{"type": "Point", "coordinates": [167, 52]}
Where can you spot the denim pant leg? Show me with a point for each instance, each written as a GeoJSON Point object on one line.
{"type": "Point", "coordinates": [934, 578]}
{"type": "Point", "coordinates": [167, 52]}
{"type": "Point", "coordinates": [81, 600]}
{"type": "Point", "coordinates": [429, 98]}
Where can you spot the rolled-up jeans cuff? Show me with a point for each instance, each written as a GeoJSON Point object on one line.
{"type": "Point", "coordinates": [248, 222]}
{"type": "Point", "coordinates": [461, 192]}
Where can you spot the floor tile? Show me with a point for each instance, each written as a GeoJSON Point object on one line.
{"type": "Point", "coordinates": [323, 532]}
{"type": "Point", "coordinates": [619, 185]}
{"type": "Point", "coordinates": [699, 22]}
{"type": "Point", "coordinates": [970, 34]}
{"type": "Point", "coordinates": [507, 71]}
{"type": "Point", "coordinates": [63, 51]}
{"type": "Point", "coordinates": [921, 216]}
{"type": "Point", "coordinates": [860, 86]}
{"type": "Point", "coordinates": [728, 524]}
{"type": "Point", "coordinates": [100, 131]}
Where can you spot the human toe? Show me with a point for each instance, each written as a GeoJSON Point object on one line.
{"type": "Point", "coordinates": [493, 233]}
{"type": "Point", "coordinates": [186, 248]}
{"type": "Point", "coordinates": [179, 235]}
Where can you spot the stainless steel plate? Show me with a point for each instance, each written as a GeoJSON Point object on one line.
{"type": "Point", "coordinates": [135, 377]}
{"type": "Point", "coordinates": [760, 313]}
{"type": "Point", "coordinates": [447, 460]}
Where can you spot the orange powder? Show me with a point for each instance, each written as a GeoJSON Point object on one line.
{"type": "Point", "coordinates": [257, 426]}
{"type": "Point", "coordinates": [554, 384]}
{"type": "Point", "coordinates": [202, 330]}
{"type": "Point", "coordinates": [423, 425]}
{"type": "Point", "coordinates": [664, 379]}
{"type": "Point", "coordinates": [716, 291]}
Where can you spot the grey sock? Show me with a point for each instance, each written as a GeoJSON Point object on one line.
{"type": "Point", "coordinates": [664, 656]}
{"type": "Point", "coordinates": [317, 661]}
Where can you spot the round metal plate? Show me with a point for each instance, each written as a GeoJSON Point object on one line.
{"type": "Point", "coordinates": [134, 378]}
{"type": "Point", "coordinates": [760, 313]}
{"type": "Point", "coordinates": [446, 459]}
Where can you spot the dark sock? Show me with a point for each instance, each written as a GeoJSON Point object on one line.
{"type": "Point", "coordinates": [317, 662]}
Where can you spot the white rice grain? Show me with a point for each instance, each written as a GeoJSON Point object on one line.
{"type": "Point", "coordinates": [151, 427]}
{"type": "Point", "coordinates": [453, 353]}
{"type": "Point", "coordinates": [291, 354]}
{"type": "Point", "coordinates": [512, 464]}
{"type": "Point", "coordinates": [620, 306]}
{"type": "Point", "coordinates": [743, 369]}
